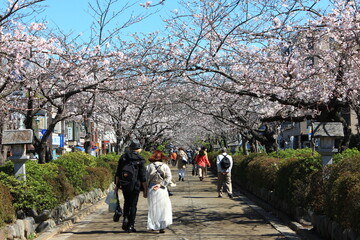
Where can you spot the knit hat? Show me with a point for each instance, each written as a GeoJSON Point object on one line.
{"type": "Point", "coordinates": [135, 144]}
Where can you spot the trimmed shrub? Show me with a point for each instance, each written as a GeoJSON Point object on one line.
{"type": "Point", "coordinates": [294, 179]}
{"type": "Point", "coordinates": [61, 186]}
{"type": "Point", "coordinates": [39, 192]}
{"type": "Point", "coordinates": [98, 177]}
{"type": "Point", "coordinates": [84, 158]}
{"type": "Point", "coordinates": [7, 168]}
{"type": "Point", "coordinates": [108, 161]}
{"type": "Point", "coordinates": [212, 157]}
{"type": "Point", "coordinates": [17, 189]}
{"type": "Point", "coordinates": [316, 198]}
{"type": "Point", "coordinates": [240, 168]}
{"type": "Point", "coordinates": [295, 153]}
{"type": "Point", "coordinates": [161, 148]}
{"type": "Point", "coordinates": [7, 211]}
{"type": "Point", "coordinates": [342, 200]}
{"type": "Point", "coordinates": [110, 157]}
{"type": "Point", "coordinates": [51, 184]}
{"type": "Point", "coordinates": [43, 189]}
{"type": "Point", "coordinates": [261, 172]}
{"type": "Point", "coordinates": [350, 152]}
{"type": "Point", "coordinates": [146, 155]}
{"type": "Point", "coordinates": [74, 165]}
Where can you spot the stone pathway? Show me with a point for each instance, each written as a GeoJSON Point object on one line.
{"type": "Point", "coordinates": [197, 214]}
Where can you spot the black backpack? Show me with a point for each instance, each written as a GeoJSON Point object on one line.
{"type": "Point", "coordinates": [129, 175]}
{"type": "Point", "coordinates": [225, 162]}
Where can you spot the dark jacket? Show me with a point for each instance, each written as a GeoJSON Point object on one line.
{"type": "Point", "coordinates": [133, 156]}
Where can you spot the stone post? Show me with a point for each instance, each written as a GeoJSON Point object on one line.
{"type": "Point", "coordinates": [328, 132]}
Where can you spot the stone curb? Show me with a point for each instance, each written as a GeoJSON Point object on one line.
{"type": "Point", "coordinates": [68, 224]}
{"type": "Point", "coordinates": [268, 212]}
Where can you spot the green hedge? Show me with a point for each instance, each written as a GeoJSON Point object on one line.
{"type": "Point", "coordinates": [7, 211]}
{"type": "Point", "coordinates": [51, 184]}
{"type": "Point", "coordinates": [342, 192]}
{"type": "Point", "coordinates": [297, 178]}
{"type": "Point", "coordinates": [74, 166]}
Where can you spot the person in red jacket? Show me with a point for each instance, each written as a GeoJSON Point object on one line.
{"type": "Point", "coordinates": [202, 161]}
{"type": "Point", "coordinates": [173, 156]}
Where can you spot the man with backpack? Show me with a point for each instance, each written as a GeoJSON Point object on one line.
{"type": "Point", "coordinates": [224, 163]}
{"type": "Point", "coordinates": [131, 178]}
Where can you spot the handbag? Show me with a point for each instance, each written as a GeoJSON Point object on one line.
{"type": "Point", "coordinates": [118, 211]}
{"type": "Point", "coordinates": [111, 201]}
{"type": "Point", "coordinates": [184, 160]}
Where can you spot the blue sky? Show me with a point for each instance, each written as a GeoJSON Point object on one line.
{"type": "Point", "coordinates": [72, 15]}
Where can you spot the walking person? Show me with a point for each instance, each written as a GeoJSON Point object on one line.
{"type": "Point", "coordinates": [130, 177]}
{"type": "Point", "coordinates": [195, 169]}
{"type": "Point", "coordinates": [206, 170]}
{"type": "Point", "coordinates": [182, 161]}
{"type": "Point", "coordinates": [224, 163]}
{"type": "Point", "coordinates": [203, 162]}
{"type": "Point", "coordinates": [158, 178]}
{"type": "Point", "coordinates": [173, 156]}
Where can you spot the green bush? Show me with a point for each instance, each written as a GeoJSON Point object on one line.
{"type": "Point", "coordinates": [7, 168]}
{"type": "Point", "coordinates": [98, 177]}
{"type": "Point", "coordinates": [161, 148]}
{"type": "Point", "coordinates": [45, 187]}
{"type": "Point", "coordinates": [295, 153]}
{"type": "Point", "coordinates": [108, 161]}
{"type": "Point", "coordinates": [212, 157]}
{"type": "Point", "coordinates": [48, 185]}
{"type": "Point", "coordinates": [74, 165]}
{"type": "Point", "coordinates": [110, 157]}
{"type": "Point", "coordinates": [40, 192]}
{"type": "Point", "coordinates": [342, 187]}
{"type": "Point", "coordinates": [61, 186]}
{"type": "Point", "coordinates": [19, 191]}
{"type": "Point", "coordinates": [316, 198]}
{"type": "Point", "coordinates": [7, 211]}
{"type": "Point", "coordinates": [240, 168]}
{"type": "Point", "coordinates": [294, 179]}
{"type": "Point", "coordinates": [299, 179]}
{"type": "Point", "coordinates": [261, 172]}
{"type": "Point", "coordinates": [351, 152]}
{"type": "Point", "coordinates": [146, 155]}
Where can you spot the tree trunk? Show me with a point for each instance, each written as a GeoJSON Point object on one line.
{"type": "Point", "coordinates": [88, 133]}
{"type": "Point", "coordinates": [117, 145]}
{"type": "Point", "coordinates": [244, 147]}
{"type": "Point", "coordinates": [3, 156]}
{"type": "Point", "coordinates": [271, 145]}
{"type": "Point", "coordinates": [266, 138]}
{"type": "Point", "coordinates": [40, 149]}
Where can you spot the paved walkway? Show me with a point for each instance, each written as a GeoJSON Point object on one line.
{"type": "Point", "coordinates": [197, 214]}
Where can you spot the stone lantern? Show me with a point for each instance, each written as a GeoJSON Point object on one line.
{"type": "Point", "coordinates": [328, 132]}
{"type": "Point", "coordinates": [18, 139]}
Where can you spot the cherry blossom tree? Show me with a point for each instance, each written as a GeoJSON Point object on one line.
{"type": "Point", "coordinates": [13, 44]}
{"type": "Point", "coordinates": [59, 75]}
{"type": "Point", "coordinates": [115, 50]}
{"type": "Point", "coordinates": [18, 10]}
{"type": "Point", "coordinates": [294, 53]}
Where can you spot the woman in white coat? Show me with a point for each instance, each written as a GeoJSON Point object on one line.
{"type": "Point", "coordinates": [158, 177]}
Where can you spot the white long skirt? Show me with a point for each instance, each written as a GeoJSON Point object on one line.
{"type": "Point", "coordinates": [160, 210]}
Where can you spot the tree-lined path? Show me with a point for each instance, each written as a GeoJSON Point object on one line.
{"type": "Point", "coordinates": [197, 213]}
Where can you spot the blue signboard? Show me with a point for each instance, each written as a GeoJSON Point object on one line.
{"type": "Point", "coordinates": [62, 140]}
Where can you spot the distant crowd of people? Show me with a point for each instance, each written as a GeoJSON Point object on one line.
{"type": "Point", "coordinates": [154, 180]}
